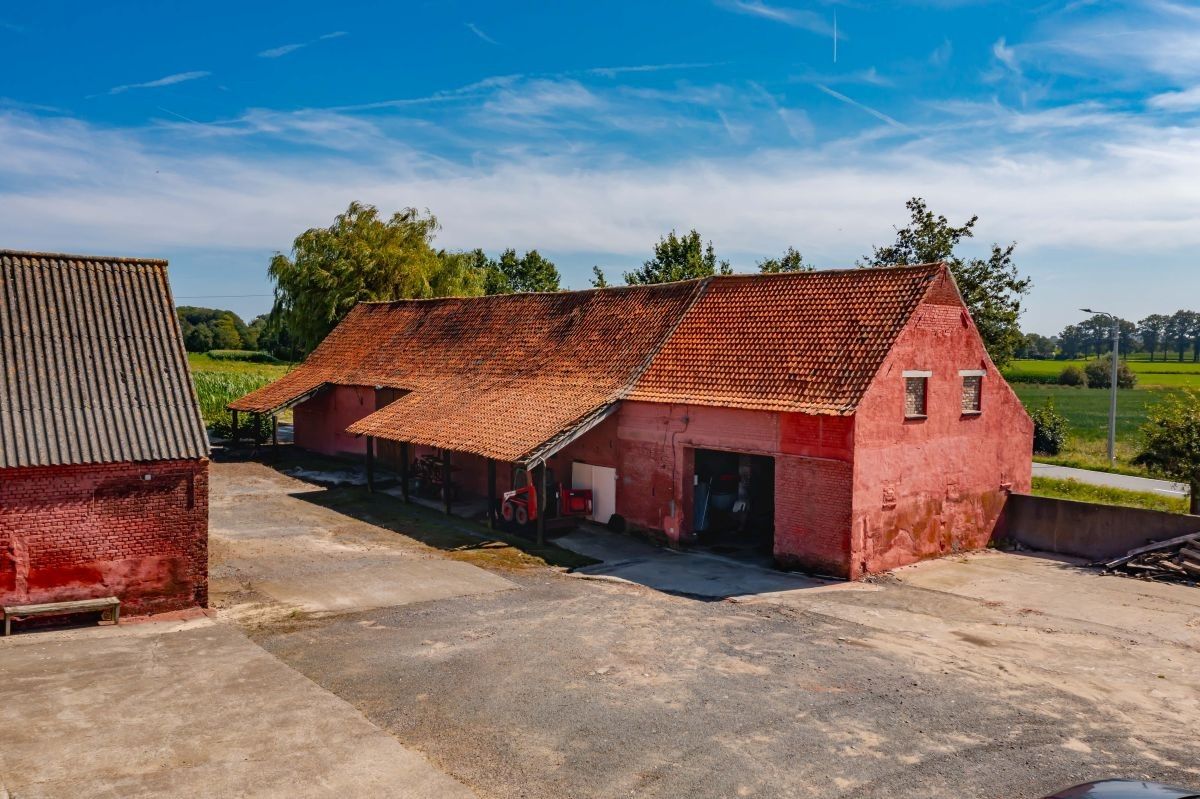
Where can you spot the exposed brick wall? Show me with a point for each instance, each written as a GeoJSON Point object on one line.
{"type": "Point", "coordinates": [78, 532]}
{"type": "Point", "coordinates": [932, 486]}
{"type": "Point", "coordinates": [812, 514]}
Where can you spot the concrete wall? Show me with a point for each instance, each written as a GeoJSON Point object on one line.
{"type": "Point", "coordinates": [1085, 530]}
{"type": "Point", "coordinates": [321, 422]}
{"type": "Point", "coordinates": [927, 487]}
{"type": "Point", "coordinates": [79, 532]}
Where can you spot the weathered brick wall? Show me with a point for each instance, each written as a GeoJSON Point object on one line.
{"type": "Point", "coordinates": [932, 486]}
{"type": "Point", "coordinates": [77, 532]}
{"type": "Point", "coordinates": [812, 514]}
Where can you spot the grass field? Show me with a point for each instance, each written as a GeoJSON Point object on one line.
{"type": "Point", "coordinates": [1082, 492]}
{"type": "Point", "coordinates": [1086, 410]}
{"type": "Point", "coordinates": [1157, 374]}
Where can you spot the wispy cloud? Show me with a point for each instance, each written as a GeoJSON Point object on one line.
{"type": "Point", "coordinates": [473, 28]}
{"type": "Point", "coordinates": [942, 54]}
{"type": "Point", "coordinates": [169, 80]}
{"type": "Point", "coordinates": [1006, 55]}
{"type": "Point", "coordinates": [1185, 100]}
{"type": "Point", "coordinates": [612, 72]}
{"type": "Point", "coordinates": [795, 17]}
{"type": "Point", "coordinates": [12, 26]}
{"type": "Point", "coordinates": [284, 49]}
{"type": "Point", "coordinates": [862, 107]}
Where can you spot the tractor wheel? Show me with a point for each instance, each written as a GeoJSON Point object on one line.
{"type": "Point", "coordinates": [522, 515]}
{"type": "Point", "coordinates": [506, 511]}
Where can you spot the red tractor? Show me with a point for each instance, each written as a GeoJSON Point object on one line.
{"type": "Point", "coordinates": [520, 506]}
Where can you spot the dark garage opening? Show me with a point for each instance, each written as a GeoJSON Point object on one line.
{"type": "Point", "coordinates": [734, 504]}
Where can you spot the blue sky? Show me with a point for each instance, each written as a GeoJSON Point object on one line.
{"type": "Point", "coordinates": [212, 134]}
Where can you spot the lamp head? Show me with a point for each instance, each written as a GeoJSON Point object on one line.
{"type": "Point", "coordinates": [1087, 310]}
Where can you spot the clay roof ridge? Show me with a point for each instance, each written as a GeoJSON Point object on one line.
{"type": "Point", "coordinates": [486, 297]}
{"type": "Point", "coordinates": [63, 256]}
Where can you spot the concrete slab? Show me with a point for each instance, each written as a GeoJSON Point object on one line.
{"type": "Point", "coordinates": [186, 709]}
{"type": "Point", "coordinates": [266, 542]}
{"type": "Point", "coordinates": [691, 573]}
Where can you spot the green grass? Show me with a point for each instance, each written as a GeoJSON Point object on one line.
{"type": "Point", "coordinates": [1086, 410]}
{"type": "Point", "coordinates": [1083, 492]}
{"type": "Point", "coordinates": [1159, 374]}
{"type": "Point", "coordinates": [203, 362]}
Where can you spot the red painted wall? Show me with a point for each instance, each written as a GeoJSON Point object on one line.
{"type": "Point", "coordinates": [652, 448]}
{"type": "Point", "coordinates": [79, 532]}
{"type": "Point", "coordinates": [923, 488]}
{"type": "Point", "coordinates": [321, 422]}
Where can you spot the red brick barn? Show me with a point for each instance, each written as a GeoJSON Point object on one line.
{"type": "Point", "coordinates": [103, 455]}
{"type": "Point", "coordinates": [846, 421]}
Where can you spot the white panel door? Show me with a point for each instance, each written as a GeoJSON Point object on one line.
{"type": "Point", "coordinates": [602, 482]}
{"type": "Point", "coordinates": [604, 493]}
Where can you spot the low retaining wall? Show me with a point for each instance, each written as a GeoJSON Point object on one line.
{"type": "Point", "coordinates": [1086, 530]}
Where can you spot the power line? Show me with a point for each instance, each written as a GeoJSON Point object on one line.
{"type": "Point", "coordinates": [217, 296]}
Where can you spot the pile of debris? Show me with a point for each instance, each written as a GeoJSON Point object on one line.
{"type": "Point", "coordinates": [1176, 560]}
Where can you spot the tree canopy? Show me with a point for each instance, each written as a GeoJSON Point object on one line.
{"type": "Point", "coordinates": [512, 274]}
{"type": "Point", "coordinates": [362, 256]}
{"type": "Point", "coordinates": [207, 329]}
{"type": "Point", "coordinates": [679, 258]}
{"type": "Point", "coordinates": [1171, 441]}
{"type": "Point", "coordinates": [991, 287]}
{"type": "Point", "coordinates": [791, 261]}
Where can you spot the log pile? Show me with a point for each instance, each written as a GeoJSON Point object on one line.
{"type": "Point", "coordinates": [1176, 560]}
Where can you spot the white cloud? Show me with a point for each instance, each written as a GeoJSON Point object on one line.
{"type": "Point", "coordinates": [1186, 100]}
{"type": "Point", "coordinates": [795, 17]}
{"type": "Point", "coordinates": [169, 80]}
{"type": "Point", "coordinates": [471, 26]}
{"type": "Point", "coordinates": [856, 104]}
{"type": "Point", "coordinates": [284, 49]}
{"type": "Point", "coordinates": [1006, 55]}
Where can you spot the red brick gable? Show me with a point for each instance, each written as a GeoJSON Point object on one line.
{"type": "Point", "coordinates": [808, 341]}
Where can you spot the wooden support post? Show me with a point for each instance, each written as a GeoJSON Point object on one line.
{"type": "Point", "coordinates": [446, 479]}
{"type": "Point", "coordinates": [233, 435]}
{"type": "Point", "coordinates": [275, 434]}
{"type": "Point", "coordinates": [541, 491]}
{"type": "Point", "coordinates": [491, 478]}
{"type": "Point", "coordinates": [404, 470]}
{"type": "Point", "coordinates": [370, 463]}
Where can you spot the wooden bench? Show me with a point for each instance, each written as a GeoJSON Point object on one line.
{"type": "Point", "coordinates": [108, 606]}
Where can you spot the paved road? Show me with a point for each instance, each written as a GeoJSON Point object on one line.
{"type": "Point", "coordinates": [1123, 481]}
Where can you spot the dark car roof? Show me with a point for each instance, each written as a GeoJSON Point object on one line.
{"type": "Point", "coordinates": [1126, 789]}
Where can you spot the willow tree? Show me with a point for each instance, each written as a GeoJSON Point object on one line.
{"type": "Point", "coordinates": [361, 257]}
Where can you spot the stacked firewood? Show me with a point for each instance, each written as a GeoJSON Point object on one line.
{"type": "Point", "coordinates": [1176, 560]}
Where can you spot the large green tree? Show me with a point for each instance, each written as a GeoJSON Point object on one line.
{"type": "Point", "coordinates": [513, 273]}
{"type": "Point", "coordinates": [991, 287]}
{"type": "Point", "coordinates": [362, 256]}
{"type": "Point", "coordinates": [679, 258]}
{"type": "Point", "coordinates": [1171, 441]}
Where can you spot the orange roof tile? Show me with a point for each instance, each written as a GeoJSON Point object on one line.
{"type": "Point", "coordinates": [495, 376]}
{"type": "Point", "coordinates": [806, 341]}
{"type": "Point", "coordinates": [501, 376]}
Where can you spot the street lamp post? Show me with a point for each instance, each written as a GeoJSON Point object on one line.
{"type": "Point", "coordinates": [1112, 405]}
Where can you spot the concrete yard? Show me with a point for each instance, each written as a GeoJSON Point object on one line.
{"type": "Point", "coordinates": [990, 676]}
{"type": "Point", "coordinates": [185, 709]}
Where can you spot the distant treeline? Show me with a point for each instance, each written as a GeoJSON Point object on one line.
{"type": "Point", "coordinates": [1176, 335]}
{"type": "Point", "coordinates": [207, 329]}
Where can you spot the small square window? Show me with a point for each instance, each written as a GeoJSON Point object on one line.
{"type": "Point", "coordinates": [972, 393]}
{"type": "Point", "coordinates": [915, 397]}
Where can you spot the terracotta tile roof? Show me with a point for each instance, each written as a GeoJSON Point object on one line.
{"type": "Point", "coordinates": [494, 376]}
{"type": "Point", "coordinates": [501, 376]}
{"type": "Point", "coordinates": [808, 341]}
{"type": "Point", "coordinates": [92, 366]}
